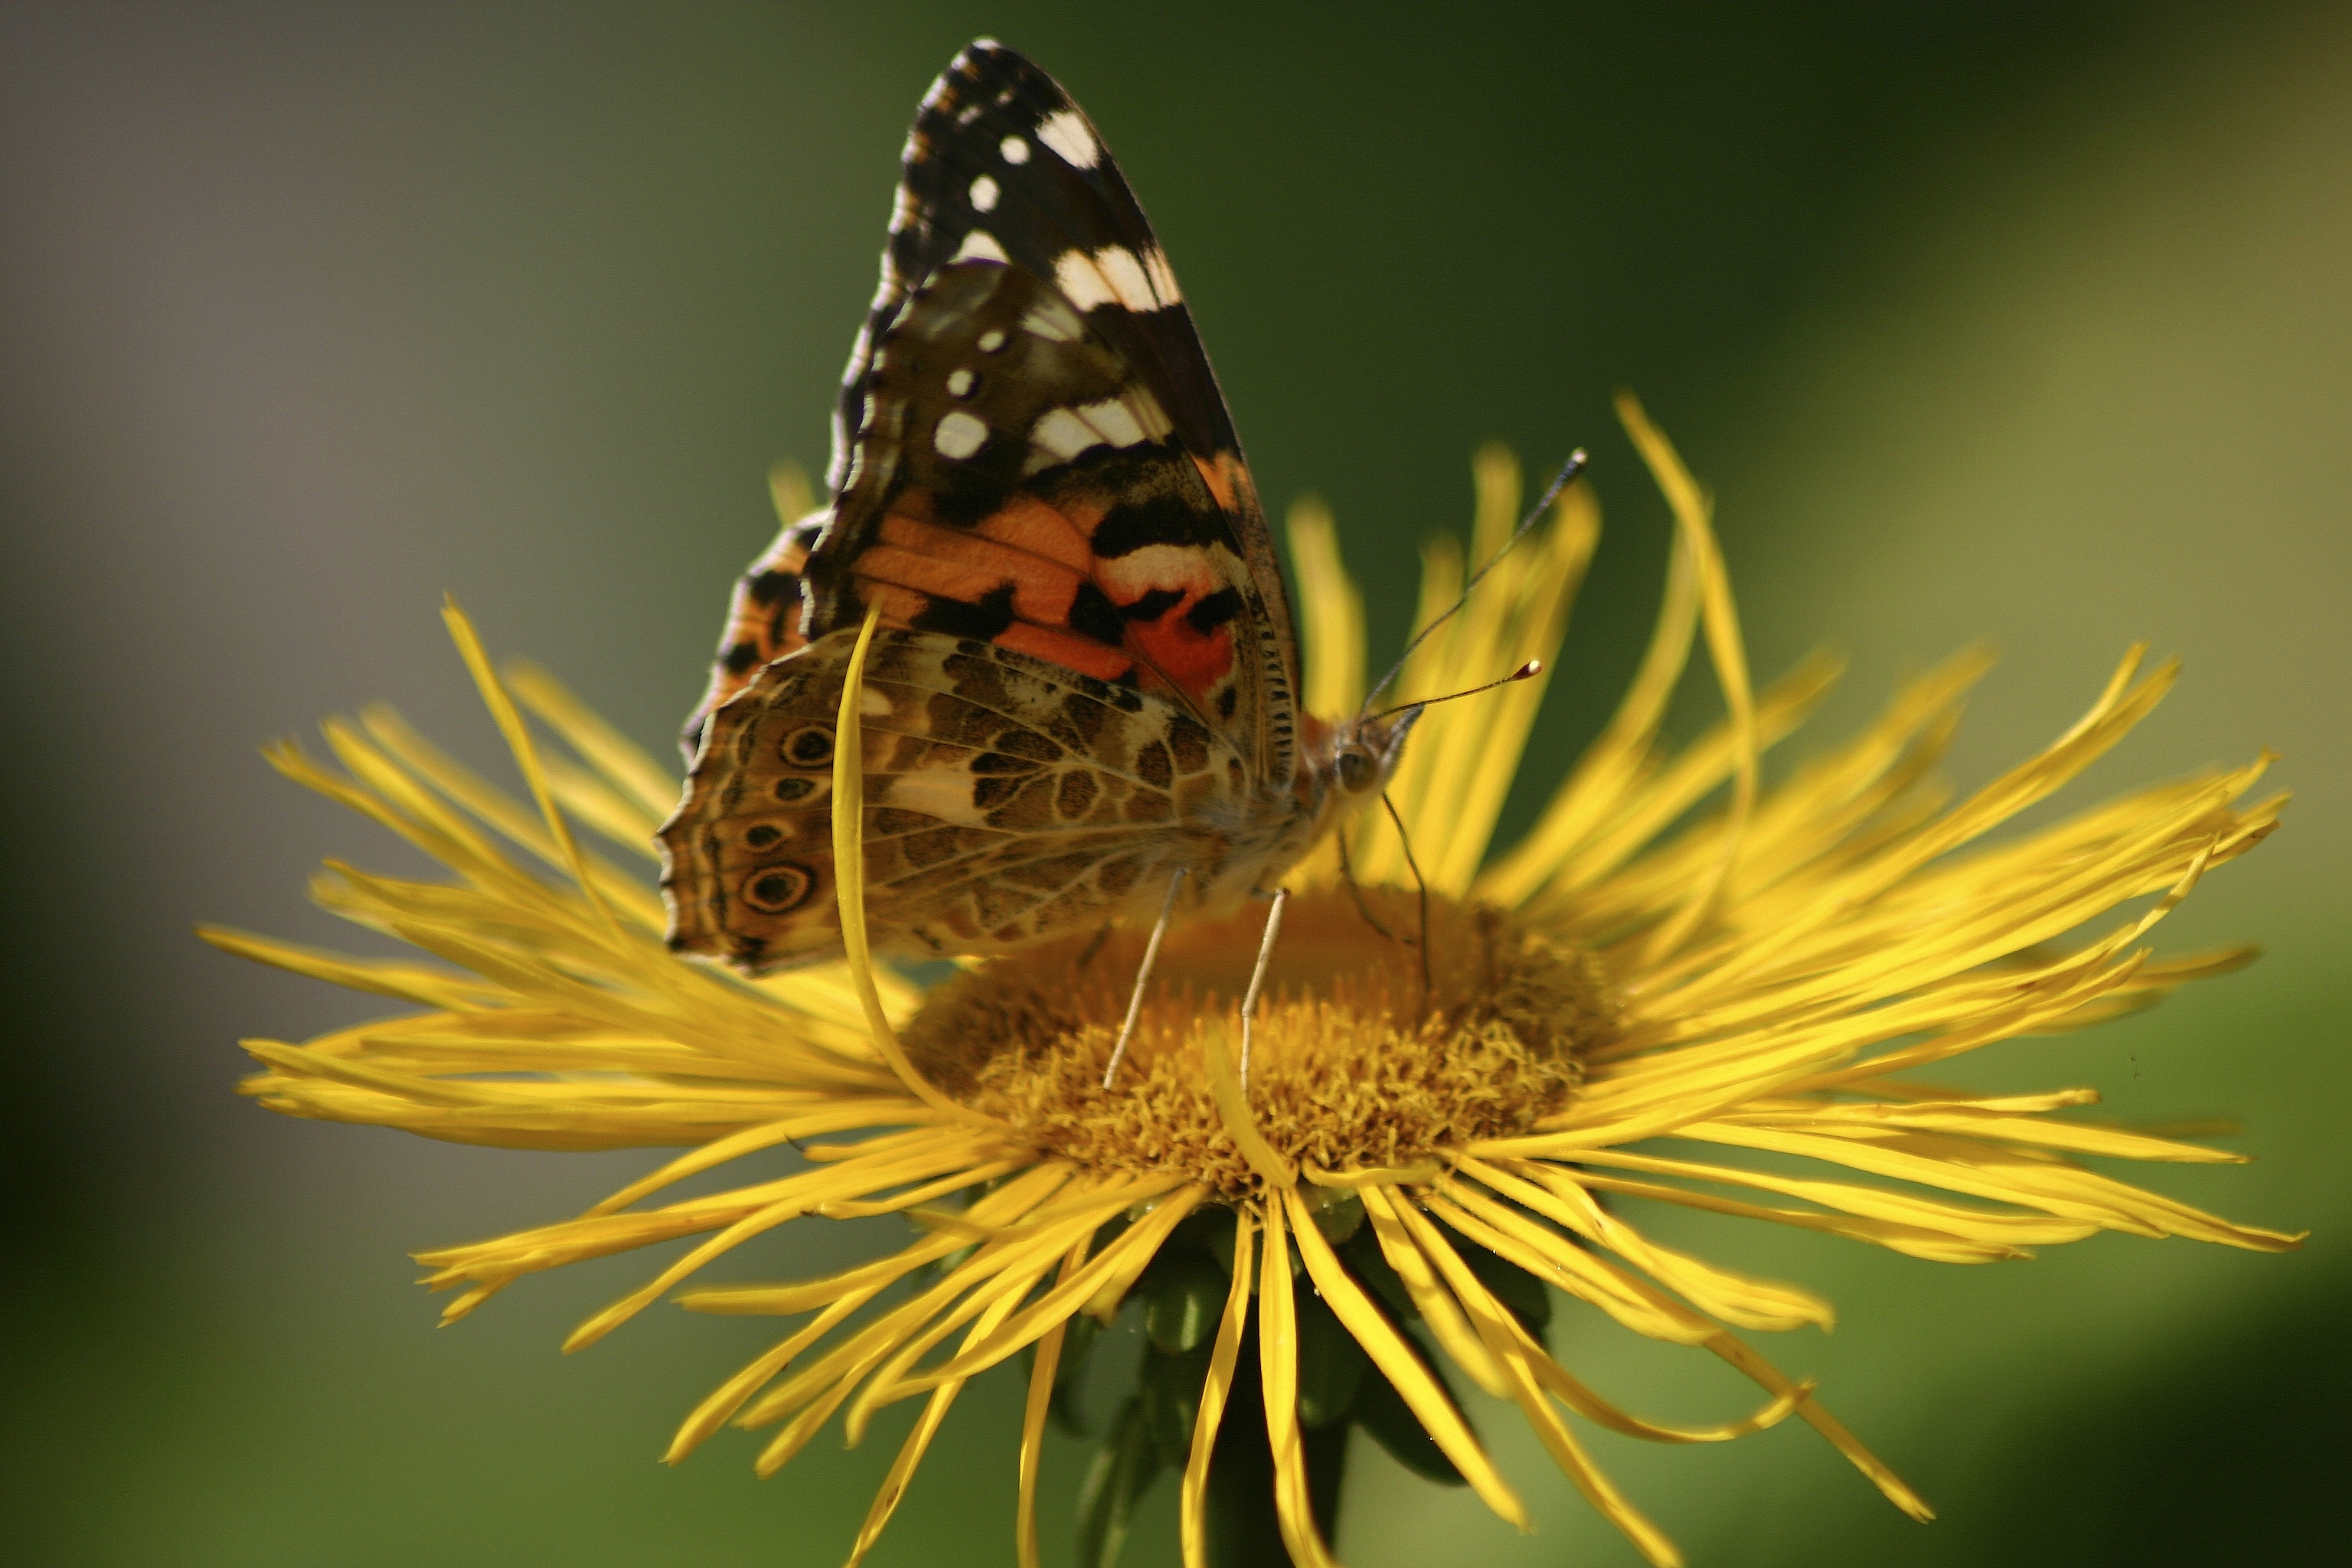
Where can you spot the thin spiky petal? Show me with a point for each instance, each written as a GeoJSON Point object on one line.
{"type": "Point", "coordinates": [1491, 1319]}
{"type": "Point", "coordinates": [1042, 1374]}
{"type": "Point", "coordinates": [1720, 620]}
{"type": "Point", "coordinates": [927, 1427]}
{"type": "Point", "coordinates": [1331, 613]}
{"type": "Point", "coordinates": [1397, 1361]}
{"type": "Point", "coordinates": [849, 872]}
{"type": "Point", "coordinates": [1450, 784]}
{"type": "Point", "coordinates": [1193, 1504]}
{"type": "Point", "coordinates": [1277, 1357]}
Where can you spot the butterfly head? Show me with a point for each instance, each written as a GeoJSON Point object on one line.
{"type": "Point", "coordinates": [1365, 750]}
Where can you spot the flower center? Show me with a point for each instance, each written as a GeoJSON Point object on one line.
{"type": "Point", "coordinates": [1354, 1062]}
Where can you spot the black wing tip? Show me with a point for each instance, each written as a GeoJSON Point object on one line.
{"type": "Point", "coordinates": [986, 61]}
{"type": "Point", "coordinates": [983, 48]}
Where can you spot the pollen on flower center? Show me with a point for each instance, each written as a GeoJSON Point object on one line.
{"type": "Point", "coordinates": [1353, 1065]}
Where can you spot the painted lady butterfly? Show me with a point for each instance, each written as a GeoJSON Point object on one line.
{"type": "Point", "coordinates": [1083, 695]}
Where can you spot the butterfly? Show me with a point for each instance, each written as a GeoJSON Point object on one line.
{"type": "Point", "coordinates": [1082, 698]}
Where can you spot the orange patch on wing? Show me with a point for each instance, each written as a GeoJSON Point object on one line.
{"type": "Point", "coordinates": [773, 630]}
{"type": "Point", "coordinates": [961, 581]}
{"type": "Point", "coordinates": [1083, 510]}
{"type": "Point", "coordinates": [1228, 480]}
{"type": "Point", "coordinates": [1083, 655]}
{"type": "Point", "coordinates": [899, 605]}
{"type": "Point", "coordinates": [951, 564]}
{"type": "Point", "coordinates": [1193, 659]}
{"type": "Point", "coordinates": [1026, 523]}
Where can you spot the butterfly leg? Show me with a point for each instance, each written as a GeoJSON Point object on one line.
{"type": "Point", "coordinates": [1420, 884]}
{"type": "Point", "coordinates": [1355, 892]}
{"type": "Point", "coordinates": [1143, 975]}
{"type": "Point", "coordinates": [1257, 975]}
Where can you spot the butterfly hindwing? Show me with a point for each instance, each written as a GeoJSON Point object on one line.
{"type": "Point", "coordinates": [1006, 799]}
{"type": "Point", "coordinates": [764, 618]}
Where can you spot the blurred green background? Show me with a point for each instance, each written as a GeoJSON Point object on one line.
{"type": "Point", "coordinates": [2026, 320]}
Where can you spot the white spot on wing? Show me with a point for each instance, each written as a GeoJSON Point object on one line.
{"type": "Point", "coordinates": [958, 435]}
{"type": "Point", "coordinates": [1124, 273]}
{"type": "Point", "coordinates": [871, 703]}
{"type": "Point", "coordinates": [1148, 415]}
{"type": "Point", "coordinates": [983, 195]}
{"type": "Point", "coordinates": [1049, 320]}
{"type": "Point", "coordinates": [1163, 278]}
{"type": "Point", "coordinates": [1080, 281]}
{"type": "Point", "coordinates": [1061, 434]}
{"type": "Point", "coordinates": [1064, 434]}
{"type": "Point", "coordinates": [1114, 276]}
{"type": "Point", "coordinates": [1014, 149]}
{"type": "Point", "coordinates": [959, 383]}
{"type": "Point", "coordinates": [979, 246]}
{"type": "Point", "coordinates": [934, 792]}
{"type": "Point", "coordinates": [1066, 131]}
{"type": "Point", "coordinates": [992, 340]}
{"type": "Point", "coordinates": [1114, 420]}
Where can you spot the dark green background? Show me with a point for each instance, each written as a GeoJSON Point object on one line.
{"type": "Point", "coordinates": [2015, 320]}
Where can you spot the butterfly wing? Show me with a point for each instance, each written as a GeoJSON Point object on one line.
{"type": "Point", "coordinates": [1036, 481]}
{"type": "Point", "coordinates": [1031, 446]}
{"type": "Point", "coordinates": [1007, 800]}
{"type": "Point", "coordinates": [763, 621]}
{"type": "Point", "coordinates": [1000, 164]}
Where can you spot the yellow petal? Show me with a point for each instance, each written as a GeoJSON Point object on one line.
{"type": "Point", "coordinates": [1495, 1323]}
{"type": "Point", "coordinates": [849, 871]}
{"type": "Point", "coordinates": [1192, 1502]}
{"type": "Point", "coordinates": [1396, 1362]}
{"type": "Point", "coordinates": [649, 787]}
{"type": "Point", "coordinates": [1277, 1355]}
{"type": "Point", "coordinates": [1455, 1335]}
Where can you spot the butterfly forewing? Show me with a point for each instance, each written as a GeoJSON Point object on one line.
{"type": "Point", "coordinates": [1002, 165]}
{"type": "Point", "coordinates": [1002, 170]}
{"type": "Point", "coordinates": [1012, 481]}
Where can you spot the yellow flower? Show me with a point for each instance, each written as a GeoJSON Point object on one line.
{"type": "Point", "coordinates": [1425, 1132]}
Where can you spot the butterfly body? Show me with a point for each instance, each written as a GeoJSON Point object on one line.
{"type": "Point", "coordinates": [1086, 679]}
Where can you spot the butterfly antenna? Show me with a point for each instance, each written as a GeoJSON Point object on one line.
{"type": "Point", "coordinates": [1560, 481]}
{"type": "Point", "coordinates": [1527, 671]}
{"type": "Point", "coordinates": [1420, 886]}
